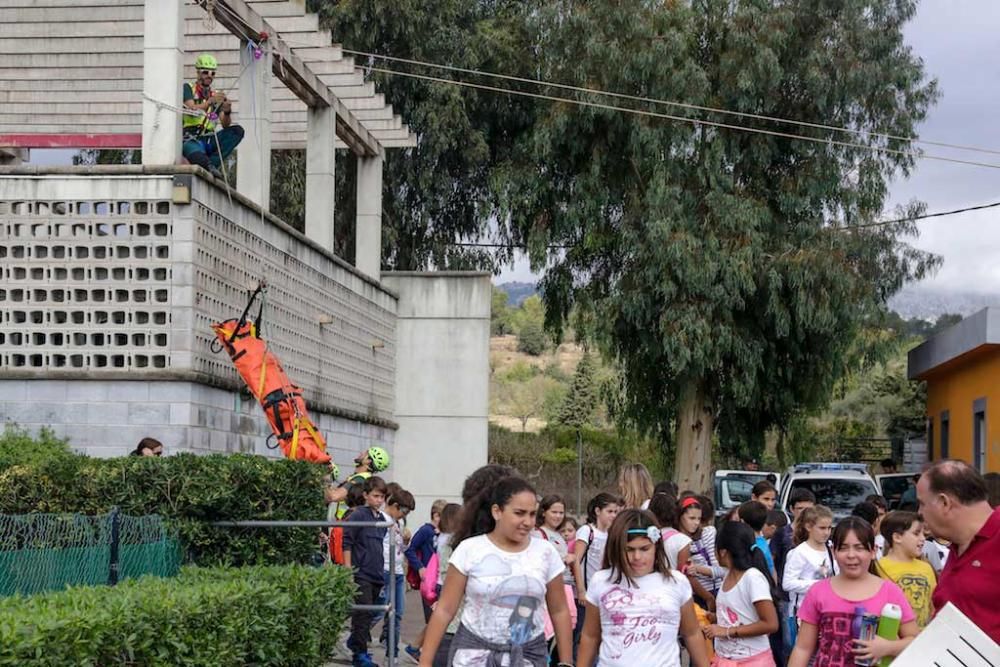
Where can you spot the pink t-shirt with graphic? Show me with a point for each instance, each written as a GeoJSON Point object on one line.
{"type": "Point", "coordinates": [833, 616]}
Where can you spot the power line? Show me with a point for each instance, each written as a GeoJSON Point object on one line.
{"type": "Point", "coordinates": [870, 225]}
{"type": "Point", "coordinates": [939, 214]}
{"type": "Point", "coordinates": [683, 119]}
{"type": "Point", "coordinates": [683, 105]}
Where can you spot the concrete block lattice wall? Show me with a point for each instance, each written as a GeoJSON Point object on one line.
{"type": "Point", "coordinates": [108, 290]}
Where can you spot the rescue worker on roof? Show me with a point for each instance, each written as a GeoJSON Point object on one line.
{"type": "Point", "coordinates": [202, 146]}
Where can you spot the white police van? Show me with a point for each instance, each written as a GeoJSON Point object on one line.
{"type": "Point", "coordinates": [839, 486]}
{"type": "Point", "coordinates": [732, 487]}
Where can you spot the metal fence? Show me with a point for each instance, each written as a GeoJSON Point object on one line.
{"type": "Point", "coordinates": [47, 552]}
{"type": "Point", "coordinates": [389, 609]}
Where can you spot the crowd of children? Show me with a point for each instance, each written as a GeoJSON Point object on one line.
{"type": "Point", "coordinates": [647, 578]}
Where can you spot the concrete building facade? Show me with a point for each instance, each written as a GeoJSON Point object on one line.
{"type": "Point", "coordinates": [112, 276]}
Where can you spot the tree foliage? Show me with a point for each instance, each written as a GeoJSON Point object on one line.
{"type": "Point", "coordinates": [500, 314]}
{"type": "Point", "coordinates": [581, 401]}
{"type": "Point", "coordinates": [439, 191]}
{"type": "Point", "coordinates": [720, 266]}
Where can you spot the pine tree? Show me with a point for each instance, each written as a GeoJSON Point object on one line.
{"type": "Point", "coordinates": [578, 408]}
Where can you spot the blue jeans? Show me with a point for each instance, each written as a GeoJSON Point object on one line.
{"type": "Point", "coordinates": [383, 598]}
{"type": "Point", "coordinates": [204, 151]}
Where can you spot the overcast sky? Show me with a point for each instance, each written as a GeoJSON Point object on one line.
{"type": "Point", "coordinates": [958, 40]}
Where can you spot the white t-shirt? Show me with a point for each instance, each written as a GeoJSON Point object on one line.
{"type": "Point", "coordinates": [505, 592]}
{"type": "Point", "coordinates": [597, 539]}
{"type": "Point", "coordinates": [735, 607]}
{"type": "Point", "coordinates": [639, 624]}
{"type": "Point", "coordinates": [555, 539]}
{"type": "Point", "coordinates": [803, 568]}
{"type": "Point", "coordinates": [673, 542]}
{"type": "Point", "coordinates": [400, 558]}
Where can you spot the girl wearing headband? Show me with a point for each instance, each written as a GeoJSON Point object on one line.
{"type": "Point", "coordinates": [637, 606]}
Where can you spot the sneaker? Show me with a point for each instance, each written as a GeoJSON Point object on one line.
{"type": "Point", "coordinates": [362, 660]}
{"type": "Point", "coordinates": [214, 171]}
{"type": "Point", "coordinates": [413, 653]}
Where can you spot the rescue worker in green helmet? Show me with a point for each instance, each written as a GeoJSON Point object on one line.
{"type": "Point", "coordinates": [202, 145]}
{"type": "Point", "coordinates": [371, 461]}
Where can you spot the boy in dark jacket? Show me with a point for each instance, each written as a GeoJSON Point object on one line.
{"type": "Point", "coordinates": [363, 554]}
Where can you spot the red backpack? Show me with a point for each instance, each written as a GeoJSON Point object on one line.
{"type": "Point", "coordinates": [336, 541]}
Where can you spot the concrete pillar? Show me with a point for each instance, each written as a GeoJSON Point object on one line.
{"type": "Point", "coordinates": [162, 79]}
{"type": "Point", "coordinates": [253, 173]}
{"type": "Point", "coordinates": [368, 235]}
{"type": "Point", "coordinates": [320, 174]}
{"type": "Point", "coordinates": [442, 380]}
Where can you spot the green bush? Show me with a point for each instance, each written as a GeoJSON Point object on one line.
{"type": "Point", "coordinates": [188, 491]}
{"type": "Point", "coordinates": [290, 615]}
{"type": "Point", "coordinates": [531, 338]}
{"type": "Point", "coordinates": [19, 447]}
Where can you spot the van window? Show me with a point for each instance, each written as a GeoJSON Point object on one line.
{"type": "Point", "coordinates": [840, 495]}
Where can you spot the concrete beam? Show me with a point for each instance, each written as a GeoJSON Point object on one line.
{"type": "Point", "coordinates": [290, 68]}
{"type": "Point", "coordinates": [368, 235]}
{"type": "Point", "coordinates": [253, 175]}
{"type": "Point", "coordinates": [321, 176]}
{"type": "Point", "coordinates": [162, 67]}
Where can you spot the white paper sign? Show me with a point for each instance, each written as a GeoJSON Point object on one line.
{"type": "Point", "coordinates": [950, 640]}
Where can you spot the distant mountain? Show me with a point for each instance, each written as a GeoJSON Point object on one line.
{"type": "Point", "coordinates": [929, 304]}
{"type": "Point", "coordinates": [518, 292]}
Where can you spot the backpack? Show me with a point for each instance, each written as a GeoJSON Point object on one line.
{"type": "Point", "coordinates": [429, 584]}
{"type": "Point", "coordinates": [336, 541]}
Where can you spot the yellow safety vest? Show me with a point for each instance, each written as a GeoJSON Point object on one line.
{"type": "Point", "coordinates": [195, 122]}
{"type": "Point", "coordinates": [356, 478]}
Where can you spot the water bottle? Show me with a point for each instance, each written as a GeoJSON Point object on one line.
{"type": "Point", "coordinates": [859, 616]}
{"type": "Point", "coordinates": [888, 626]}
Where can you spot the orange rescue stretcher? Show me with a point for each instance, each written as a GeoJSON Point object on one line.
{"type": "Point", "coordinates": [260, 369]}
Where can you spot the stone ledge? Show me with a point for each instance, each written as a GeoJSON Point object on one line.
{"type": "Point", "coordinates": [185, 376]}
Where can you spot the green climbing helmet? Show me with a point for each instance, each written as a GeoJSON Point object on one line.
{"type": "Point", "coordinates": [206, 61]}
{"type": "Point", "coordinates": [379, 458]}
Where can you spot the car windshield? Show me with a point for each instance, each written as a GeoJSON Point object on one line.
{"type": "Point", "coordinates": [840, 495]}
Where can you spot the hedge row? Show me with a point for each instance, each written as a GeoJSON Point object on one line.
{"type": "Point", "coordinates": [278, 615]}
{"type": "Point", "coordinates": [189, 491]}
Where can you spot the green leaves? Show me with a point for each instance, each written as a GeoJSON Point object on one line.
{"type": "Point", "coordinates": [711, 258]}
{"type": "Point", "coordinates": [290, 615]}
{"type": "Point", "coordinates": [189, 491]}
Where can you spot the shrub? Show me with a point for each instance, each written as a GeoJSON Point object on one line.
{"type": "Point", "coordinates": [188, 491]}
{"type": "Point", "coordinates": [18, 447]}
{"type": "Point", "coordinates": [289, 615]}
{"type": "Point", "coordinates": [531, 338]}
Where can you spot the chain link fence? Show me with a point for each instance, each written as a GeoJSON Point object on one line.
{"type": "Point", "coordinates": [46, 552]}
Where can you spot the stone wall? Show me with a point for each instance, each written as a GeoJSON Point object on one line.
{"type": "Point", "coordinates": [108, 418]}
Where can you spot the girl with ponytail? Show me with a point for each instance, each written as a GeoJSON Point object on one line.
{"type": "Point", "coordinates": [745, 605]}
{"type": "Point", "coordinates": [502, 580]}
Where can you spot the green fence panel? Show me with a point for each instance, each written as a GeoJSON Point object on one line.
{"type": "Point", "coordinates": [46, 552]}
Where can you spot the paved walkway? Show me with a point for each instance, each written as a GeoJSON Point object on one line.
{"type": "Point", "coordinates": [413, 623]}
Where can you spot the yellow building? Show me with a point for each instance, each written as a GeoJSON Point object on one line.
{"type": "Point", "coordinates": [962, 368]}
